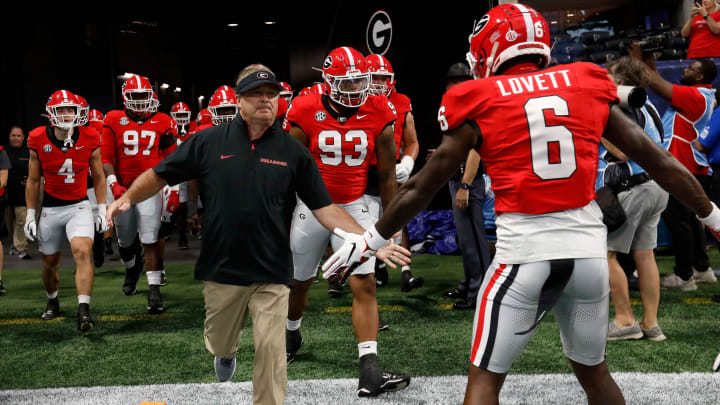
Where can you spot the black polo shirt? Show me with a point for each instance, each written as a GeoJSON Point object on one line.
{"type": "Point", "coordinates": [248, 196]}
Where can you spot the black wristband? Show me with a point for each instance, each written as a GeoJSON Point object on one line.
{"type": "Point", "coordinates": [465, 186]}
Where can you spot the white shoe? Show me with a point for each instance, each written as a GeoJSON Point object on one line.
{"type": "Point", "coordinates": [716, 365]}
{"type": "Point", "coordinates": [707, 276]}
{"type": "Point", "coordinates": [673, 282]}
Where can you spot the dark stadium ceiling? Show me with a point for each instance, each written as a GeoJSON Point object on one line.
{"type": "Point", "coordinates": [574, 4]}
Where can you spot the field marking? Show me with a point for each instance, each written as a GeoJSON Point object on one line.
{"type": "Point", "coordinates": [693, 301]}
{"type": "Point", "coordinates": [104, 318]}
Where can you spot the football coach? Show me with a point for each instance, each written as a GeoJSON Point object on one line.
{"type": "Point", "coordinates": [249, 171]}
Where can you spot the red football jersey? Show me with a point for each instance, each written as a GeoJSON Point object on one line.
{"type": "Point", "coordinates": [96, 125]}
{"type": "Point", "coordinates": [341, 145]}
{"type": "Point", "coordinates": [65, 173]}
{"type": "Point", "coordinates": [282, 107]}
{"type": "Point", "coordinates": [539, 133]}
{"type": "Point", "coordinates": [133, 147]}
{"type": "Point", "coordinates": [400, 103]}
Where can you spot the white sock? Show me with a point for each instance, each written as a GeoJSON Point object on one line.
{"type": "Point", "coordinates": [154, 277]}
{"type": "Point", "coordinates": [406, 268]}
{"type": "Point", "coordinates": [369, 347]}
{"type": "Point", "coordinates": [294, 325]}
{"type": "Point", "coordinates": [52, 295]}
{"type": "Point", "coordinates": [84, 299]}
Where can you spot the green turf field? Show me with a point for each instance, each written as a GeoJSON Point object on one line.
{"type": "Point", "coordinates": [426, 338]}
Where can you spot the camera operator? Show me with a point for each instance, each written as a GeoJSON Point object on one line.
{"type": "Point", "coordinates": [703, 30]}
{"type": "Point", "coordinates": [691, 105]}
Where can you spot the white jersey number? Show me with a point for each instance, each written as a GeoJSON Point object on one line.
{"type": "Point", "coordinates": [131, 140]}
{"type": "Point", "coordinates": [331, 142]}
{"type": "Point", "coordinates": [67, 170]}
{"type": "Point", "coordinates": [543, 137]}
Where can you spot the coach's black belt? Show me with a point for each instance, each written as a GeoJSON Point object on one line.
{"type": "Point", "coordinates": [633, 181]}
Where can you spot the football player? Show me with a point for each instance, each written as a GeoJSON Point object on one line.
{"type": "Point", "coordinates": [134, 140]}
{"type": "Point", "coordinates": [176, 203]}
{"type": "Point", "coordinates": [223, 106]}
{"type": "Point", "coordinates": [343, 128]}
{"type": "Point", "coordinates": [537, 128]}
{"type": "Point", "coordinates": [63, 153]}
{"type": "Point", "coordinates": [97, 121]}
{"type": "Point", "coordinates": [287, 92]}
{"type": "Point", "coordinates": [382, 83]}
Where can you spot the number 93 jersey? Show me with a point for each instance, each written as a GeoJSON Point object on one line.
{"type": "Point", "coordinates": [135, 146]}
{"type": "Point", "coordinates": [65, 169]}
{"type": "Point", "coordinates": [538, 133]}
{"type": "Point", "coordinates": [341, 145]}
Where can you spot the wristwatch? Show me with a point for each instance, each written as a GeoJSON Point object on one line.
{"type": "Point", "coordinates": [465, 186]}
{"type": "Point", "coordinates": [706, 16]}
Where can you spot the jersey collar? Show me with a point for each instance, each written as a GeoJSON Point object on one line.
{"type": "Point", "coordinates": [331, 109]}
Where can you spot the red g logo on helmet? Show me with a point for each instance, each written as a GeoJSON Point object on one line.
{"type": "Point", "coordinates": [506, 32]}
{"type": "Point", "coordinates": [346, 74]}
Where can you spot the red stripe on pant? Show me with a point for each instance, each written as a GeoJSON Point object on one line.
{"type": "Point", "coordinates": [481, 313]}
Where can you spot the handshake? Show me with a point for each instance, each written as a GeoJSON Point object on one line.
{"type": "Point", "coordinates": [358, 249]}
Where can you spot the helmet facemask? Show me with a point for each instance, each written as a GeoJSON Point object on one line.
{"type": "Point", "coordinates": [350, 90]}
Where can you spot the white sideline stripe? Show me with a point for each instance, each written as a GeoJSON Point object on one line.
{"type": "Point", "coordinates": [638, 388]}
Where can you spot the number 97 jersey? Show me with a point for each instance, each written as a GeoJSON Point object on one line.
{"type": "Point", "coordinates": [135, 146]}
{"type": "Point", "coordinates": [538, 133]}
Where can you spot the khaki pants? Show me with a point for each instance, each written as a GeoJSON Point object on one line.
{"type": "Point", "coordinates": [15, 221]}
{"type": "Point", "coordinates": [226, 310]}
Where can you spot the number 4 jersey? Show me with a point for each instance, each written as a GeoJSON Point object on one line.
{"type": "Point", "coordinates": [539, 133]}
{"type": "Point", "coordinates": [65, 168]}
{"type": "Point", "coordinates": [538, 138]}
{"type": "Point", "coordinates": [341, 145]}
{"type": "Point", "coordinates": [135, 146]}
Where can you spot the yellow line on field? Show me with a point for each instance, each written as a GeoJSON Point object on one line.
{"type": "Point", "coordinates": [104, 318]}
{"type": "Point", "coordinates": [28, 321]}
{"type": "Point", "coordinates": [446, 306]}
{"type": "Point", "coordinates": [697, 300]}
{"type": "Point", "coordinates": [383, 308]}
{"type": "Point", "coordinates": [635, 301]}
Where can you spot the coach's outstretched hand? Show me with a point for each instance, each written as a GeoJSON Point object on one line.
{"type": "Point", "coordinates": [116, 208]}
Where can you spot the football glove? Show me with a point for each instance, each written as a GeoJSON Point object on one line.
{"type": "Point", "coordinates": [712, 221]}
{"type": "Point", "coordinates": [356, 249]}
{"type": "Point", "coordinates": [101, 219]}
{"type": "Point", "coordinates": [404, 168]}
{"type": "Point", "coordinates": [117, 189]}
{"type": "Point", "coordinates": [173, 201]}
{"type": "Point", "coordinates": [30, 225]}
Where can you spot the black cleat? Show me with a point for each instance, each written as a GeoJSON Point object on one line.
{"type": "Point", "coordinates": [131, 278]}
{"type": "Point", "coordinates": [52, 309]}
{"type": "Point", "coordinates": [408, 282]}
{"type": "Point", "coordinates": [183, 242]}
{"type": "Point", "coordinates": [155, 300]}
{"type": "Point", "coordinates": [465, 303]}
{"type": "Point", "coordinates": [382, 325]}
{"type": "Point", "coordinates": [293, 341]}
{"type": "Point", "coordinates": [2, 288]}
{"type": "Point", "coordinates": [85, 321]}
{"type": "Point", "coordinates": [335, 289]}
{"type": "Point", "coordinates": [374, 381]}
{"type": "Point", "coordinates": [456, 294]}
{"type": "Point", "coordinates": [381, 275]}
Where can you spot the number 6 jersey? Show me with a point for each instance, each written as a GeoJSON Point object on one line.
{"type": "Point", "coordinates": [65, 168]}
{"type": "Point", "coordinates": [342, 146]}
{"type": "Point", "coordinates": [538, 138]}
{"type": "Point", "coordinates": [539, 133]}
{"type": "Point", "coordinates": [135, 146]}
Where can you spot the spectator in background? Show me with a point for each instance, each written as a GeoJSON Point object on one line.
{"type": "Point", "coordinates": [19, 155]}
{"type": "Point", "coordinates": [467, 189]}
{"type": "Point", "coordinates": [691, 105]}
{"type": "Point", "coordinates": [709, 143]}
{"type": "Point", "coordinates": [703, 30]}
{"type": "Point", "coordinates": [643, 201]}
{"type": "Point", "coordinates": [4, 167]}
